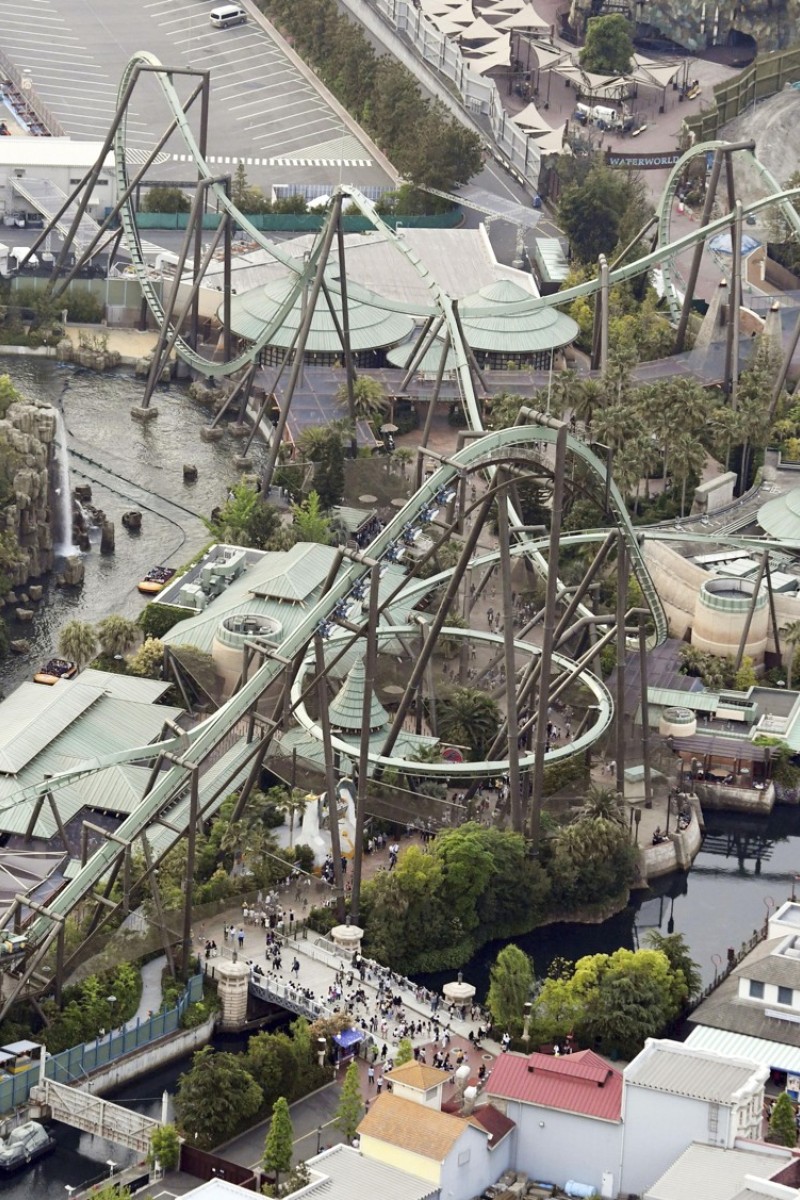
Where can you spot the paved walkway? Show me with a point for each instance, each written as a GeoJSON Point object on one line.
{"type": "Point", "coordinates": [151, 991]}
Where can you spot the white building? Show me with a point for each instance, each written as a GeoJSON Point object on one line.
{"type": "Point", "coordinates": [674, 1095]}
{"type": "Point", "coordinates": [36, 171]}
{"type": "Point", "coordinates": [710, 1172]}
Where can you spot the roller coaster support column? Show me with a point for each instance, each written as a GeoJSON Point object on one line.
{"type": "Point", "coordinates": [697, 253]}
{"type": "Point", "coordinates": [157, 363]}
{"type": "Point", "coordinates": [548, 630]}
{"type": "Point", "coordinates": [512, 722]}
{"type": "Point", "coordinates": [202, 141]}
{"type": "Point", "coordinates": [434, 400]}
{"type": "Point", "coordinates": [783, 371]}
{"type": "Point", "coordinates": [439, 620]}
{"type": "Point", "coordinates": [302, 338]}
{"type": "Point", "coordinates": [471, 359]}
{"type": "Point", "coordinates": [622, 650]}
{"type": "Point", "coordinates": [734, 309]}
{"type": "Point", "coordinates": [751, 608]}
{"type": "Point", "coordinates": [600, 330]}
{"type": "Point", "coordinates": [371, 661]}
{"type": "Point", "coordinates": [323, 700]}
{"type": "Point", "coordinates": [346, 347]}
{"type": "Point", "coordinates": [188, 883]}
{"type": "Point", "coordinates": [427, 336]}
{"type": "Point", "coordinates": [645, 706]}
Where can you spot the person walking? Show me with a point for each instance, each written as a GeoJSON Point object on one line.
{"type": "Point", "coordinates": [370, 1075]}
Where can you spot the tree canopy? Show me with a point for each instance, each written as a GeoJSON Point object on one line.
{"type": "Point", "coordinates": [350, 1109]}
{"type": "Point", "coordinates": [215, 1097]}
{"type": "Point", "coordinates": [165, 200]}
{"type": "Point", "coordinates": [245, 519]}
{"type": "Point", "coordinates": [278, 1147]}
{"type": "Point", "coordinates": [510, 986]}
{"type": "Point", "coordinates": [608, 48]}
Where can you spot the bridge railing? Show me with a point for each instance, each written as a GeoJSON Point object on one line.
{"type": "Point", "coordinates": [75, 1064]}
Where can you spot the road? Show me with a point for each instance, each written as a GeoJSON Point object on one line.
{"type": "Point", "coordinates": [265, 109]}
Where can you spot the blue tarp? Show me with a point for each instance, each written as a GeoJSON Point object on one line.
{"type": "Point", "coordinates": [722, 243]}
{"type": "Point", "coordinates": [348, 1038]}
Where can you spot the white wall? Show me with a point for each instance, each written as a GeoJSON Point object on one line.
{"type": "Point", "coordinates": [557, 1146]}
{"type": "Point", "coordinates": [770, 997]}
{"type": "Point", "coordinates": [471, 1166]}
{"type": "Point", "coordinates": [659, 1127]}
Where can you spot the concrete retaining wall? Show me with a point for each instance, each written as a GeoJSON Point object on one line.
{"type": "Point", "coordinates": [734, 799]}
{"type": "Point", "coordinates": [677, 854]}
{"type": "Point", "coordinates": [177, 1045]}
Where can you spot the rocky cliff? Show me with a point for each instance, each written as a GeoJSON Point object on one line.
{"type": "Point", "coordinates": [695, 25]}
{"type": "Point", "coordinates": [27, 446]}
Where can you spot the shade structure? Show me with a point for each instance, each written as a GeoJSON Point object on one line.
{"type": "Point", "coordinates": [551, 141]}
{"type": "Point", "coordinates": [525, 18]}
{"type": "Point", "coordinates": [480, 31]}
{"type": "Point", "coordinates": [371, 328]}
{"type": "Point", "coordinates": [539, 330]}
{"type": "Point", "coordinates": [487, 62]}
{"type": "Point", "coordinates": [531, 118]}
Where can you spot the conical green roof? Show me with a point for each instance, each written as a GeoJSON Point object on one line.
{"type": "Point", "coordinates": [346, 708]}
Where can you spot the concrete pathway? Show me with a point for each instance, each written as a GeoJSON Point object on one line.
{"type": "Point", "coordinates": [151, 991]}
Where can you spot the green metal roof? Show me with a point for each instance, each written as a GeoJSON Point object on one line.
{"type": "Point", "coordinates": [292, 574]}
{"type": "Point", "coordinates": [345, 710]}
{"type": "Point", "coordinates": [310, 747]}
{"type": "Point", "coordinates": [780, 518]}
{"type": "Point", "coordinates": [370, 327]}
{"type": "Point", "coordinates": [34, 716]}
{"type": "Point", "coordinates": [122, 687]}
{"type": "Point", "coordinates": [513, 333]}
{"type": "Point", "coordinates": [430, 362]}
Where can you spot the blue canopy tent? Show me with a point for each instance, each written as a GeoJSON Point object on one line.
{"type": "Point", "coordinates": [346, 1043]}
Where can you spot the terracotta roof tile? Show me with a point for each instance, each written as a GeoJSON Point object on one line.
{"type": "Point", "coordinates": [414, 1127]}
{"type": "Point", "coordinates": [581, 1083]}
{"type": "Point", "coordinates": [417, 1075]}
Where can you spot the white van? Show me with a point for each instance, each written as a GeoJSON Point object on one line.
{"type": "Point", "coordinates": [226, 15]}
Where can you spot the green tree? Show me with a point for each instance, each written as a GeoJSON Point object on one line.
{"type": "Point", "coordinates": [782, 1123]}
{"type": "Point", "coordinates": [791, 636]}
{"type": "Point", "coordinates": [604, 802]}
{"type": "Point", "coordinates": [271, 1062]}
{"type": "Point", "coordinates": [324, 446]}
{"type": "Point", "coordinates": [148, 660]}
{"type": "Point", "coordinates": [405, 1052]}
{"type": "Point", "coordinates": [369, 399]}
{"type": "Point", "coordinates": [674, 946]}
{"type": "Point", "coordinates": [745, 677]}
{"type": "Point", "coordinates": [77, 641]}
{"type": "Point", "coordinates": [608, 48]}
{"type": "Point", "coordinates": [350, 1109]}
{"type": "Point", "coordinates": [165, 1147]}
{"type": "Point", "coordinates": [510, 986]}
{"type": "Point", "coordinates": [245, 519]}
{"type": "Point", "coordinates": [215, 1097]}
{"type": "Point", "coordinates": [247, 198]}
{"type": "Point", "coordinates": [165, 200]}
{"type": "Point", "coordinates": [468, 717]}
{"type": "Point", "coordinates": [116, 634]}
{"type": "Point", "coordinates": [278, 1147]}
{"type": "Point", "coordinates": [310, 522]}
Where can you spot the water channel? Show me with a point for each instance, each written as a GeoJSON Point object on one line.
{"type": "Point", "coordinates": [746, 867]}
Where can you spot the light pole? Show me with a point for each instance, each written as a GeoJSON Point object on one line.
{"type": "Point", "coordinates": [319, 1138]}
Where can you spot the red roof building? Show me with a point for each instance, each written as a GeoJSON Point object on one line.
{"type": "Point", "coordinates": [581, 1083]}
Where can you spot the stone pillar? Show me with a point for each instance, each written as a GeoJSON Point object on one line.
{"type": "Point", "coordinates": [347, 937]}
{"type": "Point", "coordinates": [233, 978]}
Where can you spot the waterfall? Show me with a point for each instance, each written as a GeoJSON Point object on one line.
{"type": "Point", "coordinates": [62, 492]}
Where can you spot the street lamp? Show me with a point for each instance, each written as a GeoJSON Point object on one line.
{"type": "Point", "coordinates": [112, 1166]}
{"type": "Point", "coordinates": [319, 1138]}
{"type": "Point", "coordinates": [526, 1033]}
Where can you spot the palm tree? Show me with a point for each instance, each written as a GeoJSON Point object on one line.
{"type": "Point", "coordinates": [791, 635]}
{"type": "Point", "coordinates": [468, 717]}
{"type": "Point", "coordinates": [602, 802]}
{"type": "Point", "coordinates": [369, 399]}
{"type": "Point", "coordinates": [294, 801]}
{"type": "Point", "coordinates": [77, 641]}
{"type": "Point", "coordinates": [116, 634]}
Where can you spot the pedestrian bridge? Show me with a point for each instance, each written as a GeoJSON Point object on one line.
{"type": "Point", "coordinates": [92, 1114]}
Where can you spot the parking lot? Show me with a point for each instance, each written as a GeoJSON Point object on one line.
{"type": "Point", "coordinates": [265, 110]}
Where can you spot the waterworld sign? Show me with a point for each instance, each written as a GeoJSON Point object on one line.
{"type": "Point", "coordinates": [642, 162]}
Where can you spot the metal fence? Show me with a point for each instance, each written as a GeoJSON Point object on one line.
{"type": "Point", "coordinates": [75, 1064]}
{"type": "Point", "coordinates": [768, 74]}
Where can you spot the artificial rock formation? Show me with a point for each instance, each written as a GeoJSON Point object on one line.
{"type": "Point", "coordinates": [28, 432]}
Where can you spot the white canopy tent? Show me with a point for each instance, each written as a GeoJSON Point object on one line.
{"type": "Point", "coordinates": [530, 119]}
{"type": "Point", "coordinates": [487, 63]}
{"type": "Point", "coordinates": [480, 31]}
{"type": "Point", "coordinates": [525, 18]}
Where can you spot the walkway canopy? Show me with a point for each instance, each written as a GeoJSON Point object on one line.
{"type": "Point", "coordinates": [371, 328]}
